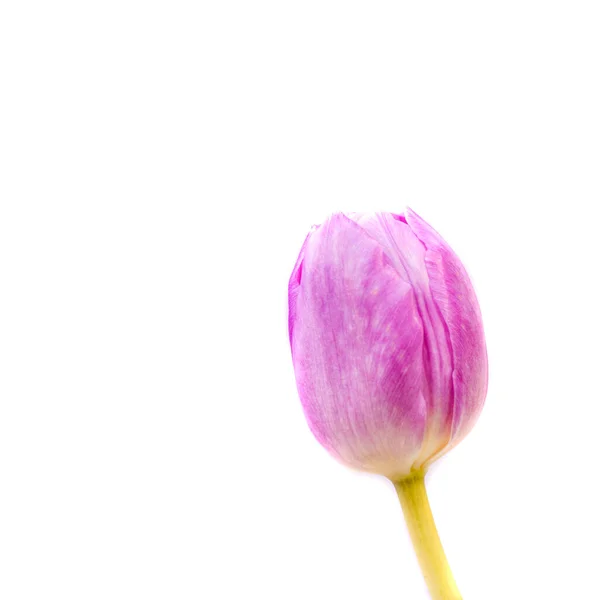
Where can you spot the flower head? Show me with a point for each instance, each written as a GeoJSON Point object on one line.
{"type": "Point", "coordinates": [387, 341]}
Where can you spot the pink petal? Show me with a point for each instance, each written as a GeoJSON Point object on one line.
{"type": "Point", "coordinates": [408, 255]}
{"type": "Point", "coordinates": [457, 302]}
{"type": "Point", "coordinates": [294, 283]}
{"type": "Point", "coordinates": [357, 346]}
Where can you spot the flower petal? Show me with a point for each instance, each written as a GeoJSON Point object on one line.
{"type": "Point", "coordinates": [357, 346]}
{"type": "Point", "coordinates": [457, 302]}
{"type": "Point", "coordinates": [294, 283]}
{"type": "Point", "coordinates": [408, 255]}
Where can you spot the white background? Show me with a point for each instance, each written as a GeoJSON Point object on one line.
{"type": "Point", "coordinates": [160, 165]}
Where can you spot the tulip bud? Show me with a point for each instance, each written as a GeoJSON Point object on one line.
{"type": "Point", "coordinates": [387, 342]}
{"type": "Point", "coordinates": [388, 346]}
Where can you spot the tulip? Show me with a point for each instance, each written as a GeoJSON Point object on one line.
{"type": "Point", "coordinates": [389, 356]}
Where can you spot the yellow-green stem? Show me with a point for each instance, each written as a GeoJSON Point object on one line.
{"type": "Point", "coordinates": [424, 536]}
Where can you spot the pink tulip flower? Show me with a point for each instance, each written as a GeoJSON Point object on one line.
{"type": "Point", "coordinates": [387, 342]}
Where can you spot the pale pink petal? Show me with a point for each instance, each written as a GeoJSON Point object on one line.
{"type": "Point", "coordinates": [453, 293]}
{"type": "Point", "coordinates": [357, 344]}
{"type": "Point", "coordinates": [408, 255]}
{"type": "Point", "coordinates": [294, 282]}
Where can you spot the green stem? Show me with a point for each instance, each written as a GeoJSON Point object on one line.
{"type": "Point", "coordinates": [424, 536]}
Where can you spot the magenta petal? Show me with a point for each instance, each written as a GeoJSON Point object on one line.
{"type": "Point", "coordinates": [294, 282]}
{"type": "Point", "coordinates": [408, 255]}
{"type": "Point", "coordinates": [453, 293]}
{"type": "Point", "coordinates": [356, 340]}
